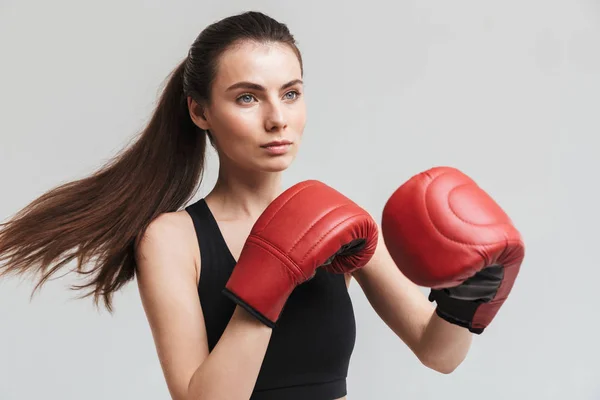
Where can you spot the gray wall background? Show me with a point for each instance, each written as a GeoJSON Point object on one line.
{"type": "Point", "coordinates": [506, 91]}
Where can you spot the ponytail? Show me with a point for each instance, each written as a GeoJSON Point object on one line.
{"type": "Point", "coordinates": [96, 220]}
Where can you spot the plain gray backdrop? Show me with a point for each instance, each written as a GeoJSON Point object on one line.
{"type": "Point", "coordinates": [506, 91]}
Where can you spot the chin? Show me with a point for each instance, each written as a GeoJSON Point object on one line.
{"type": "Point", "coordinates": [278, 164]}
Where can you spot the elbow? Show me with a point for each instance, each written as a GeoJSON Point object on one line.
{"type": "Point", "coordinates": [445, 369]}
{"type": "Point", "coordinates": [438, 364]}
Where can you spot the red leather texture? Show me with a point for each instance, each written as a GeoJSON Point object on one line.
{"type": "Point", "coordinates": [298, 232]}
{"type": "Point", "coordinates": [441, 228]}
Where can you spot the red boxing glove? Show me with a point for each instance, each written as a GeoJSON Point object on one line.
{"type": "Point", "coordinates": [308, 226]}
{"type": "Point", "coordinates": [444, 232]}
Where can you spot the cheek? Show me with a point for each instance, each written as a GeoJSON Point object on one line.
{"type": "Point", "coordinates": [298, 118]}
{"type": "Point", "coordinates": [236, 124]}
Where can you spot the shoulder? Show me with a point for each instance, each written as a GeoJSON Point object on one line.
{"type": "Point", "coordinates": [170, 239]}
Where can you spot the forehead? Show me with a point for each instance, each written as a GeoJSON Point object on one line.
{"type": "Point", "coordinates": [268, 64]}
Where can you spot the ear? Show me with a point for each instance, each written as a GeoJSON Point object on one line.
{"type": "Point", "coordinates": [197, 114]}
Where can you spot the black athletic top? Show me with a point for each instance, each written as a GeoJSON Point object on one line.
{"type": "Point", "coordinates": [310, 348]}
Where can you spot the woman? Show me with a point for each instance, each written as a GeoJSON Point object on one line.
{"type": "Point", "coordinates": [241, 87]}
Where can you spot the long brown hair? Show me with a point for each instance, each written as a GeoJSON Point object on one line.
{"type": "Point", "coordinates": [96, 220]}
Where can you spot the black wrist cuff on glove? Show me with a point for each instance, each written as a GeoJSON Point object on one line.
{"type": "Point", "coordinates": [233, 297]}
{"type": "Point", "coordinates": [457, 312]}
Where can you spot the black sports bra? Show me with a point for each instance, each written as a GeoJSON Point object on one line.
{"type": "Point", "coordinates": [310, 348]}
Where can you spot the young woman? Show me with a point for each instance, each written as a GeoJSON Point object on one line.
{"type": "Point", "coordinates": [240, 87]}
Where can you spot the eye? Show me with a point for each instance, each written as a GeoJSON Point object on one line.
{"type": "Point", "coordinates": [295, 94]}
{"type": "Point", "coordinates": [245, 98]}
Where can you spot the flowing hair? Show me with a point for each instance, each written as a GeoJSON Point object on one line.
{"type": "Point", "coordinates": [97, 220]}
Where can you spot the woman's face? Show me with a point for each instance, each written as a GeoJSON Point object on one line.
{"type": "Point", "coordinates": [257, 113]}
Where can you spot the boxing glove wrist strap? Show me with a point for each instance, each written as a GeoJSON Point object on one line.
{"type": "Point", "coordinates": [255, 313]}
{"type": "Point", "coordinates": [457, 312]}
{"type": "Point", "coordinates": [458, 304]}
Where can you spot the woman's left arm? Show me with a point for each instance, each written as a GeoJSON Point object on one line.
{"type": "Point", "coordinates": [438, 344]}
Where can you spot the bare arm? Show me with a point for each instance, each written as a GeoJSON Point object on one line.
{"type": "Point", "coordinates": [167, 280]}
{"type": "Point", "coordinates": [231, 369]}
{"type": "Point", "coordinates": [438, 344]}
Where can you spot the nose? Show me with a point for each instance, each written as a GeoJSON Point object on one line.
{"type": "Point", "coordinates": [275, 120]}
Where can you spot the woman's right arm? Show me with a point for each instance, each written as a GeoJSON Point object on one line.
{"type": "Point", "coordinates": [167, 280]}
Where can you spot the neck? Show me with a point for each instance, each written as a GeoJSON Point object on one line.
{"type": "Point", "coordinates": [240, 194]}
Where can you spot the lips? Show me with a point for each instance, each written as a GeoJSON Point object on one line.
{"type": "Point", "coordinates": [277, 143]}
{"type": "Point", "coordinates": [277, 147]}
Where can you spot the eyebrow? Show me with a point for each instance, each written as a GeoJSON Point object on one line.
{"type": "Point", "coordinates": [256, 86]}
